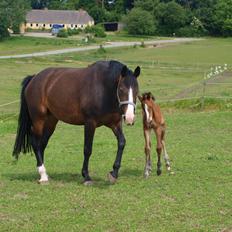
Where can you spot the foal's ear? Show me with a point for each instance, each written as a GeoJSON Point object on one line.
{"type": "Point", "coordinates": [140, 98]}
{"type": "Point", "coordinates": [137, 71]}
{"type": "Point", "coordinates": [124, 71]}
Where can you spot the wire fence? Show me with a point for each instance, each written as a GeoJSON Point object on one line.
{"type": "Point", "coordinates": [219, 88]}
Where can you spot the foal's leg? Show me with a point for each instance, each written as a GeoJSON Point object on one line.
{"type": "Point", "coordinates": [89, 134]}
{"type": "Point", "coordinates": [166, 157]}
{"type": "Point", "coordinates": [113, 175]}
{"type": "Point", "coordinates": [158, 132]}
{"type": "Point", "coordinates": [147, 136]}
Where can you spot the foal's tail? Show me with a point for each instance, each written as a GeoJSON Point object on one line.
{"type": "Point", "coordinates": [23, 136]}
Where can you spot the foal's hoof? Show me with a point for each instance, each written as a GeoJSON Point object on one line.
{"type": "Point", "coordinates": [159, 172]}
{"type": "Point", "coordinates": [111, 178]}
{"type": "Point", "coordinates": [88, 182]}
{"type": "Point", "coordinates": [146, 174]}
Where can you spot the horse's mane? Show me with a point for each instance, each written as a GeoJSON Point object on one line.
{"type": "Point", "coordinates": [115, 68]}
{"type": "Point", "coordinates": [148, 96]}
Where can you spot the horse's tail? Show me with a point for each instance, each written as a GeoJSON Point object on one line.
{"type": "Point", "coordinates": [23, 136]}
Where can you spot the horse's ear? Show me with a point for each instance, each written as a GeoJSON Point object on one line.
{"type": "Point", "coordinates": [124, 71]}
{"type": "Point", "coordinates": [137, 71]}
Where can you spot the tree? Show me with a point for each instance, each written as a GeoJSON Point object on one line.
{"type": "Point", "coordinates": [98, 14]}
{"type": "Point", "coordinates": [227, 27]}
{"type": "Point", "coordinates": [222, 16]}
{"type": "Point", "coordinates": [39, 4]}
{"type": "Point", "coordinates": [140, 22]}
{"type": "Point", "coordinates": [147, 5]}
{"type": "Point", "coordinates": [12, 14]}
{"type": "Point", "coordinates": [171, 17]}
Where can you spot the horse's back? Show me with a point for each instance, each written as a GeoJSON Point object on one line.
{"type": "Point", "coordinates": [71, 94]}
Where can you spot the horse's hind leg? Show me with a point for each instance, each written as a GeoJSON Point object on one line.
{"type": "Point", "coordinates": [42, 130]}
{"type": "Point", "coordinates": [147, 168]}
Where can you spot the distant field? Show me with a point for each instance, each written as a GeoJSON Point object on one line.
{"type": "Point", "coordinates": [23, 44]}
{"type": "Point", "coordinates": [196, 198]}
{"type": "Point", "coordinates": [166, 71]}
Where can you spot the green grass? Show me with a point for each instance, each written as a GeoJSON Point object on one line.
{"type": "Point", "coordinates": [23, 44]}
{"type": "Point", "coordinates": [196, 198]}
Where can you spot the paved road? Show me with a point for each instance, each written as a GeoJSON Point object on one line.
{"type": "Point", "coordinates": [93, 47]}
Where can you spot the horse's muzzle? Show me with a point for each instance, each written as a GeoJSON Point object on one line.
{"type": "Point", "coordinates": [129, 120]}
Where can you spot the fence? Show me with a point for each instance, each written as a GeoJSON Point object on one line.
{"type": "Point", "coordinates": [219, 87]}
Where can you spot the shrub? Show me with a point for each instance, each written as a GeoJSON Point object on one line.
{"type": "Point", "coordinates": [62, 33]}
{"type": "Point", "coordinates": [227, 27]}
{"type": "Point", "coordinates": [73, 31]}
{"type": "Point", "coordinates": [96, 30]}
{"type": "Point", "coordinates": [140, 22]}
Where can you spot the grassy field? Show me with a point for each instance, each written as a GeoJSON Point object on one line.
{"type": "Point", "coordinates": [196, 198]}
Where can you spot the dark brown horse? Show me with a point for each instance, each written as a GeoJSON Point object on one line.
{"type": "Point", "coordinates": [153, 120]}
{"type": "Point", "coordinates": [94, 96]}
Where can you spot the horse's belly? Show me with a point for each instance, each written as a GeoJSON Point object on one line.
{"type": "Point", "coordinates": [69, 115]}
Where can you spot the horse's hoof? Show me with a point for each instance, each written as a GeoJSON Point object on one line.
{"type": "Point", "coordinates": [43, 182]}
{"type": "Point", "coordinates": [159, 172]}
{"type": "Point", "coordinates": [169, 168]}
{"type": "Point", "coordinates": [88, 182]}
{"type": "Point", "coordinates": [112, 179]}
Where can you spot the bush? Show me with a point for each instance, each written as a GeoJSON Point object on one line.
{"type": "Point", "coordinates": [62, 33]}
{"type": "Point", "coordinates": [189, 31]}
{"type": "Point", "coordinates": [97, 31]}
{"type": "Point", "coordinates": [140, 22]}
{"type": "Point", "coordinates": [73, 31]}
{"type": "Point", "coordinates": [227, 27]}
{"type": "Point", "coordinates": [4, 33]}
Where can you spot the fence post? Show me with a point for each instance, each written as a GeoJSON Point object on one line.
{"type": "Point", "coordinates": [203, 93]}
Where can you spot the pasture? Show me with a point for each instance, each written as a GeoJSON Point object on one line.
{"type": "Point", "coordinates": [196, 198]}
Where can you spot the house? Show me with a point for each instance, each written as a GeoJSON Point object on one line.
{"type": "Point", "coordinates": [44, 19]}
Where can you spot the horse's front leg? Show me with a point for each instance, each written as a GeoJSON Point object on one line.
{"type": "Point", "coordinates": [88, 143]}
{"type": "Point", "coordinates": [113, 175]}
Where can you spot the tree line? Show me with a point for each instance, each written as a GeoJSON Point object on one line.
{"type": "Point", "coordinates": [141, 17]}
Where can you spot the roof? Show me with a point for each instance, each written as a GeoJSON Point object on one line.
{"type": "Point", "coordinates": [58, 16]}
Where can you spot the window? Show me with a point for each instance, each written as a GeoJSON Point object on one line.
{"type": "Point", "coordinates": [31, 24]}
{"type": "Point", "coordinates": [71, 25]}
{"type": "Point", "coordinates": [37, 24]}
{"type": "Point", "coordinates": [44, 25]}
{"type": "Point", "coordinates": [81, 26]}
{"type": "Point", "coordinates": [76, 26]}
{"type": "Point", "coordinates": [50, 25]}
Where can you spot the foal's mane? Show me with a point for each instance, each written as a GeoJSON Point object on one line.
{"type": "Point", "coordinates": [148, 96]}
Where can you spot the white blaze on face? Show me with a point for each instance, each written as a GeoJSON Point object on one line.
{"type": "Point", "coordinates": [148, 116]}
{"type": "Point", "coordinates": [129, 115]}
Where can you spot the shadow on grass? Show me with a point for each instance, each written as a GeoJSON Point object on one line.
{"type": "Point", "coordinates": [131, 172]}
{"type": "Point", "coordinates": [55, 177]}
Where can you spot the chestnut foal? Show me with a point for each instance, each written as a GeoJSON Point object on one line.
{"type": "Point", "coordinates": [153, 120]}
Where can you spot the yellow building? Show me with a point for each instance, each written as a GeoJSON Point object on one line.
{"type": "Point", "coordinates": [44, 19]}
